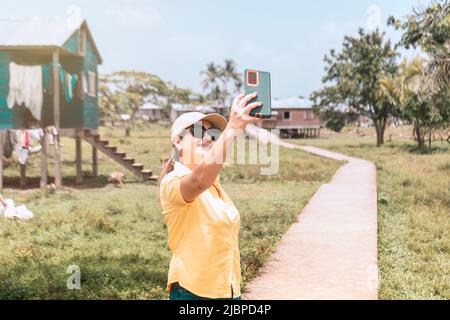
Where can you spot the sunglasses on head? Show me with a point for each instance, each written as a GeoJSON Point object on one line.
{"type": "Point", "coordinates": [199, 131]}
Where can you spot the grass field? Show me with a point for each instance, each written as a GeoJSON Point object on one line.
{"type": "Point", "coordinates": [118, 239]}
{"type": "Point", "coordinates": [117, 236]}
{"type": "Point", "coordinates": [413, 213]}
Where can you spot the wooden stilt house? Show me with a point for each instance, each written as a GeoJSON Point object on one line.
{"type": "Point", "coordinates": [69, 59]}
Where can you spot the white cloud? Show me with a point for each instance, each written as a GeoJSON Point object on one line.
{"type": "Point", "coordinates": [133, 13]}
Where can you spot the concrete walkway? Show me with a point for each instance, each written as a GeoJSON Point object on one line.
{"type": "Point", "coordinates": [331, 252]}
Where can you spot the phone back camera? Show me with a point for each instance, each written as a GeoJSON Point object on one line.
{"type": "Point", "coordinates": [252, 78]}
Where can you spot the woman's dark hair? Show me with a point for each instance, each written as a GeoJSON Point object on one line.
{"type": "Point", "coordinates": [168, 163]}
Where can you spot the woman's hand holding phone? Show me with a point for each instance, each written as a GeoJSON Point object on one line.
{"type": "Point", "coordinates": [204, 175]}
{"type": "Point", "coordinates": [240, 111]}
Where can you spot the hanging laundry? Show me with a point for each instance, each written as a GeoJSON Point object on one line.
{"type": "Point", "coordinates": [47, 78]}
{"type": "Point", "coordinates": [25, 139]}
{"type": "Point", "coordinates": [7, 145]}
{"type": "Point", "coordinates": [36, 136]}
{"type": "Point", "coordinates": [23, 156]}
{"type": "Point", "coordinates": [52, 135]}
{"type": "Point", "coordinates": [23, 151]}
{"type": "Point", "coordinates": [85, 83]}
{"type": "Point", "coordinates": [71, 82]}
{"type": "Point", "coordinates": [69, 93]}
{"type": "Point", "coordinates": [79, 87]}
{"type": "Point", "coordinates": [74, 84]}
{"type": "Point", "coordinates": [25, 87]}
{"type": "Point", "coordinates": [15, 138]}
{"type": "Point", "coordinates": [25, 142]}
{"type": "Point", "coordinates": [62, 80]}
{"type": "Point", "coordinates": [16, 75]}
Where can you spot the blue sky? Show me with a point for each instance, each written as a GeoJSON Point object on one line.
{"type": "Point", "coordinates": [175, 39]}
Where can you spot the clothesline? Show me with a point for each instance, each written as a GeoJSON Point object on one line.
{"type": "Point", "coordinates": [69, 82]}
{"type": "Point", "coordinates": [25, 142]}
{"type": "Point", "coordinates": [28, 84]}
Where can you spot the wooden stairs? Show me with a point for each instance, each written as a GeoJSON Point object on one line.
{"type": "Point", "coordinates": [120, 157]}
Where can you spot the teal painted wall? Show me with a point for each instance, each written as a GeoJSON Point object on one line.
{"type": "Point", "coordinates": [91, 113]}
{"type": "Point", "coordinates": [72, 43]}
{"type": "Point", "coordinates": [81, 113]}
{"type": "Point", "coordinates": [6, 117]}
{"type": "Point", "coordinates": [72, 113]}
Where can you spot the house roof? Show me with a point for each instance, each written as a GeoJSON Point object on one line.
{"type": "Point", "coordinates": [205, 109]}
{"type": "Point", "coordinates": [181, 107]}
{"type": "Point", "coordinates": [150, 106]}
{"type": "Point", "coordinates": [291, 103]}
{"type": "Point", "coordinates": [40, 33]}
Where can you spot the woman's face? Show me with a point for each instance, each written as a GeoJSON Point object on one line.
{"type": "Point", "coordinates": [194, 148]}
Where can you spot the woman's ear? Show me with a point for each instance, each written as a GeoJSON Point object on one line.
{"type": "Point", "coordinates": [176, 141]}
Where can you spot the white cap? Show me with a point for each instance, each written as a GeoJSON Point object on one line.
{"type": "Point", "coordinates": [188, 119]}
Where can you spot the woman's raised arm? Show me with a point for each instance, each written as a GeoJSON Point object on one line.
{"type": "Point", "coordinates": [203, 175]}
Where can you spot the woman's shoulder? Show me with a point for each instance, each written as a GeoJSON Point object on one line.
{"type": "Point", "coordinates": [168, 177]}
{"type": "Point", "coordinates": [170, 191]}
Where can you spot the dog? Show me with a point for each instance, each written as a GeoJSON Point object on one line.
{"type": "Point", "coordinates": [117, 178]}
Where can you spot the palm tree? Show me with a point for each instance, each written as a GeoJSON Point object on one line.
{"type": "Point", "coordinates": [230, 74]}
{"type": "Point", "coordinates": [211, 79]}
{"type": "Point", "coordinates": [395, 90]}
{"type": "Point", "coordinates": [221, 82]}
{"type": "Point", "coordinates": [405, 92]}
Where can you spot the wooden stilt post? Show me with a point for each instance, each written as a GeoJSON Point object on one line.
{"type": "Point", "coordinates": [78, 155]}
{"type": "Point", "coordinates": [44, 159]}
{"type": "Point", "coordinates": [23, 175]}
{"type": "Point", "coordinates": [56, 114]}
{"type": "Point", "coordinates": [94, 161]}
{"type": "Point", "coordinates": [2, 139]}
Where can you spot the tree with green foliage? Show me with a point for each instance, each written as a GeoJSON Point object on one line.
{"type": "Point", "coordinates": [429, 107]}
{"type": "Point", "coordinates": [353, 78]}
{"type": "Point", "coordinates": [124, 92]}
{"type": "Point", "coordinates": [336, 119]}
{"type": "Point", "coordinates": [211, 80]}
{"type": "Point", "coordinates": [221, 82]}
{"type": "Point", "coordinates": [107, 101]}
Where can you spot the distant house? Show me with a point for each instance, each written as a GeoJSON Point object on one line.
{"type": "Point", "coordinates": [294, 117]}
{"type": "Point", "coordinates": [150, 112]}
{"type": "Point", "coordinates": [178, 109]}
{"type": "Point", "coordinates": [206, 109]}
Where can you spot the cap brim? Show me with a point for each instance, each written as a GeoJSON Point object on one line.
{"type": "Point", "coordinates": [217, 121]}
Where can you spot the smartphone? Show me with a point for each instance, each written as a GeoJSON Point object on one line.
{"type": "Point", "coordinates": [255, 80]}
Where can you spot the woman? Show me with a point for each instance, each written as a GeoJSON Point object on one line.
{"type": "Point", "coordinates": [202, 221]}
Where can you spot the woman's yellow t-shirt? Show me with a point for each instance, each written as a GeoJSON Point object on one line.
{"type": "Point", "coordinates": [203, 238]}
